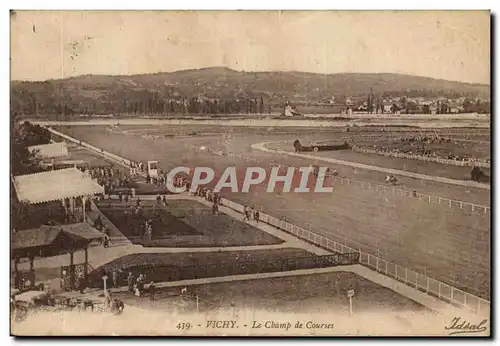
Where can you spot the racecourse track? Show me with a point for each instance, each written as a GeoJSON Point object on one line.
{"type": "Point", "coordinates": [449, 244]}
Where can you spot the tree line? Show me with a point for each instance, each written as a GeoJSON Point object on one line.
{"type": "Point", "coordinates": [150, 105]}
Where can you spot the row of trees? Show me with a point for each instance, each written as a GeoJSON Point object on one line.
{"type": "Point", "coordinates": [22, 136]}
{"type": "Point", "coordinates": [150, 105]}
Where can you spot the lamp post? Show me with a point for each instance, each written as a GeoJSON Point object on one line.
{"type": "Point", "coordinates": [350, 294]}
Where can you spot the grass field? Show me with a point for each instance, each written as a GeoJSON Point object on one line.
{"type": "Point", "coordinates": [450, 245]}
{"type": "Point", "coordinates": [315, 293]}
{"type": "Point", "coordinates": [186, 223]}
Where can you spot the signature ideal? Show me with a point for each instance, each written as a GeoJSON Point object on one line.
{"type": "Point", "coordinates": [461, 326]}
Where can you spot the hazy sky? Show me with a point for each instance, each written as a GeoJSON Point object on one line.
{"type": "Point", "coordinates": [448, 45]}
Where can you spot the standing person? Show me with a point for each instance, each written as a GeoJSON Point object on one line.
{"type": "Point", "coordinates": [140, 284]}
{"type": "Point", "coordinates": [246, 211]}
{"type": "Point", "coordinates": [108, 299]}
{"type": "Point", "coordinates": [158, 199]}
{"type": "Point", "coordinates": [82, 284]}
{"type": "Point", "coordinates": [152, 291]}
{"type": "Point", "coordinates": [107, 234]}
{"type": "Point", "coordinates": [165, 200]}
{"type": "Point", "coordinates": [115, 278]}
{"type": "Point", "coordinates": [215, 208]}
{"type": "Point", "coordinates": [130, 282]}
{"type": "Point", "coordinates": [256, 215]}
{"type": "Point", "coordinates": [106, 241]}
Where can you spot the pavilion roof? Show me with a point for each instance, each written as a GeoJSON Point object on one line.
{"type": "Point", "coordinates": [54, 185]}
{"type": "Point", "coordinates": [51, 240]}
{"type": "Point", "coordinates": [51, 150]}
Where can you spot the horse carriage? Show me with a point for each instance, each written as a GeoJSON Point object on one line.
{"type": "Point", "coordinates": [32, 302]}
{"type": "Point", "coordinates": [390, 179]}
{"type": "Point", "coordinates": [320, 146]}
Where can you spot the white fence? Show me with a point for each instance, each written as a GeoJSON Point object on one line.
{"type": "Point", "coordinates": [422, 158]}
{"type": "Point", "coordinates": [94, 149]}
{"type": "Point", "coordinates": [409, 277]}
{"type": "Point", "coordinates": [392, 190]}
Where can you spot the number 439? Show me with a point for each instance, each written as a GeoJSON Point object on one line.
{"type": "Point", "coordinates": [183, 326]}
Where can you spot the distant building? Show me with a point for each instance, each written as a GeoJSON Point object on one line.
{"type": "Point", "coordinates": [387, 106]}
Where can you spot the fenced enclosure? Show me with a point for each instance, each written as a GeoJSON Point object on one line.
{"type": "Point", "coordinates": [166, 273]}
{"type": "Point", "coordinates": [409, 277]}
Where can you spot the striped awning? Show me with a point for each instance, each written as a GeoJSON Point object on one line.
{"type": "Point", "coordinates": [48, 151]}
{"type": "Point", "coordinates": [54, 185]}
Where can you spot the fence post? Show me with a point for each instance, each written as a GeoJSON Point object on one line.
{"type": "Point", "coordinates": [427, 284]}
{"type": "Point", "coordinates": [452, 289]}
{"type": "Point", "coordinates": [485, 210]}
{"type": "Point", "coordinates": [386, 267]}
{"type": "Point", "coordinates": [406, 275]}
{"type": "Point", "coordinates": [439, 200]}
{"type": "Point", "coordinates": [449, 203]}
{"type": "Point", "coordinates": [461, 205]}
{"type": "Point", "coordinates": [472, 207]}
{"type": "Point", "coordinates": [429, 199]}
{"type": "Point", "coordinates": [439, 289]}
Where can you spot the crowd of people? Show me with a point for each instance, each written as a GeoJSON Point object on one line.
{"type": "Point", "coordinates": [428, 139]}
{"type": "Point", "coordinates": [210, 196]}
{"type": "Point", "coordinates": [109, 177]}
{"type": "Point", "coordinates": [418, 147]}
{"type": "Point", "coordinates": [136, 283]}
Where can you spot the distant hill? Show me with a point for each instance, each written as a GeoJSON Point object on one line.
{"type": "Point", "coordinates": [101, 93]}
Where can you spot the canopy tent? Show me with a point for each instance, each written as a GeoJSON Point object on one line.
{"type": "Point", "coordinates": [49, 241]}
{"type": "Point", "coordinates": [49, 151]}
{"type": "Point", "coordinates": [55, 185]}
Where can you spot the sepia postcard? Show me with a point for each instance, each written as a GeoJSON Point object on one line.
{"type": "Point", "coordinates": [250, 173]}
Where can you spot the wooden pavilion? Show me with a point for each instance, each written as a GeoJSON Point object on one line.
{"type": "Point", "coordinates": [48, 241]}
